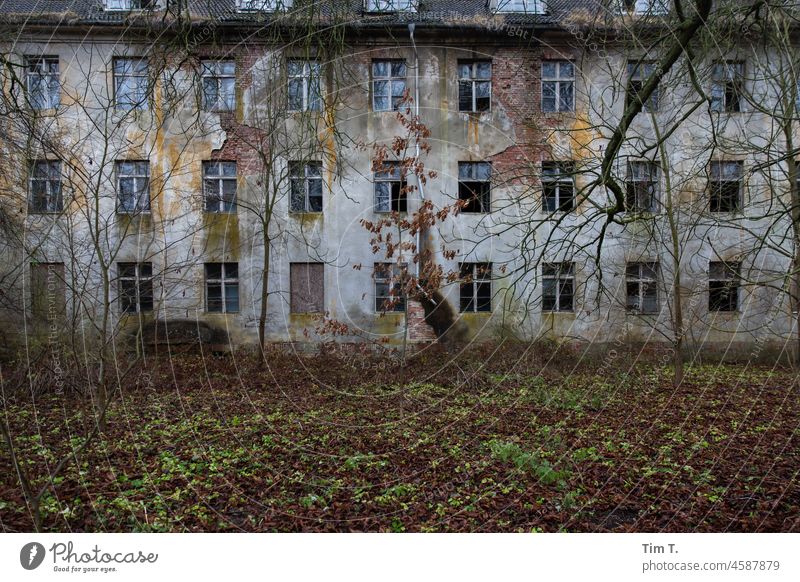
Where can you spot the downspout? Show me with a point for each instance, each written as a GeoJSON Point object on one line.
{"type": "Point", "coordinates": [411, 28]}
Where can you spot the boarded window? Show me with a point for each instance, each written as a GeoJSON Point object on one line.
{"type": "Point", "coordinates": [307, 287]}
{"type": "Point", "coordinates": [48, 291]}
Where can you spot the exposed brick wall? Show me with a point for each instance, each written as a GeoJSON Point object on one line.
{"type": "Point", "coordinates": [418, 330]}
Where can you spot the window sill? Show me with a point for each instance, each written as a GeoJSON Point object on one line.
{"type": "Point", "coordinates": [49, 213]}
{"type": "Point", "coordinates": [559, 313]}
{"type": "Point", "coordinates": [306, 213]}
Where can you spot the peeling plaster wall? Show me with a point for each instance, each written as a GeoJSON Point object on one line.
{"type": "Point", "coordinates": [178, 237]}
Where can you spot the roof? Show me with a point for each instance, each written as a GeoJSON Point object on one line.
{"type": "Point", "coordinates": [444, 13]}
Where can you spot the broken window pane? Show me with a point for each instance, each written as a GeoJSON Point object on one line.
{"type": "Point", "coordinates": [558, 186]}
{"type": "Point", "coordinates": [723, 286]}
{"type": "Point", "coordinates": [391, 189]}
{"type": "Point", "coordinates": [474, 86]}
{"type": "Point", "coordinates": [474, 186]}
{"type": "Point", "coordinates": [642, 186]}
{"type": "Point", "coordinates": [476, 287]}
{"type": "Point", "coordinates": [133, 187]}
{"type": "Point", "coordinates": [726, 186]}
{"type": "Point", "coordinates": [43, 82]}
{"type": "Point", "coordinates": [389, 295]}
{"type": "Point", "coordinates": [727, 87]}
{"type": "Point", "coordinates": [642, 287]}
{"type": "Point", "coordinates": [219, 183]}
{"type": "Point", "coordinates": [45, 187]}
{"type": "Point", "coordinates": [135, 287]}
{"type": "Point", "coordinates": [222, 287]}
{"type": "Point", "coordinates": [388, 85]}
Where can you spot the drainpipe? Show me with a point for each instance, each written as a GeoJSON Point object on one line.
{"type": "Point", "coordinates": [411, 28]}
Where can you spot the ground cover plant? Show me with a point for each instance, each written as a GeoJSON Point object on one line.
{"type": "Point", "coordinates": [495, 438]}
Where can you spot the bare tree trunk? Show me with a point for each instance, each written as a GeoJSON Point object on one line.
{"type": "Point", "coordinates": [262, 319]}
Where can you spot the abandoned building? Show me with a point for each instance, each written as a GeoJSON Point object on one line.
{"type": "Point", "coordinates": [166, 161]}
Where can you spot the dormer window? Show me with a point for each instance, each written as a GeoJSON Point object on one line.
{"type": "Point", "coordinates": [522, 6]}
{"type": "Point", "coordinates": [263, 5]}
{"type": "Point", "coordinates": [643, 6]}
{"type": "Point", "coordinates": [131, 5]}
{"type": "Point", "coordinates": [390, 5]}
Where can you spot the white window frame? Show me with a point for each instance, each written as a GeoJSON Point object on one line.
{"type": "Point", "coordinates": [142, 84]}
{"type": "Point", "coordinates": [640, 72]}
{"type": "Point", "coordinates": [521, 6]}
{"type": "Point", "coordinates": [131, 5]}
{"type": "Point", "coordinates": [558, 80]}
{"type": "Point", "coordinates": [563, 176]}
{"type": "Point", "coordinates": [37, 68]}
{"type": "Point", "coordinates": [224, 282]}
{"type": "Point", "coordinates": [478, 274]}
{"type": "Point", "coordinates": [263, 5]}
{"type": "Point", "coordinates": [473, 79]}
{"type": "Point", "coordinates": [390, 5]}
{"type": "Point", "coordinates": [390, 79]}
{"type": "Point", "coordinates": [643, 282]}
{"type": "Point", "coordinates": [558, 272]}
{"type": "Point", "coordinates": [389, 274]}
{"type": "Point", "coordinates": [220, 178]}
{"type": "Point", "coordinates": [391, 172]}
{"type": "Point", "coordinates": [723, 74]}
{"type": "Point", "coordinates": [142, 191]}
{"type": "Point", "coordinates": [650, 7]}
{"type": "Point", "coordinates": [305, 172]}
{"type": "Point", "coordinates": [716, 175]}
{"type": "Point", "coordinates": [54, 199]}
{"type": "Point", "coordinates": [651, 174]}
{"type": "Point", "coordinates": [306, 77]}
{"type": "Point", "coordinates": [211, 70]}
{"type": "Point", "coordinates": [137, 279]}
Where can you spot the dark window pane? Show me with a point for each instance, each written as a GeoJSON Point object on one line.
{"type": "Point", "coordinates": [465, 96]}
{"type": "Point", "coordinates": [214, 298]}
{"type": "Point", "coordinates": [213, 271]}
{"type": "Point", "coordinates": [231, 298]}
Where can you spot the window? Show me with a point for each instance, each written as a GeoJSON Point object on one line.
{"type": "Point", "coordinates": [43, 82]}
{"type": "Point", "coordinates": [390, 5]}
{"type": "Point", "coordinates": [133, 187]}
{"type": "Point", "coordinates": [131, 4]}
{"type": "Point", "coordinates": [219, 85]}
{"type": "Point", "coordinates": [642, 187]}
{"type": "Point", "coordinates": [222, 287]}
{"type": "Point", "coordinates": [558, 86]}
{"type": "Point", "coordinates": [305, 89]}
{"type": "Point", "coordinates": [558, 287]}
{"type": "Point", "coordinates": [135, 287]}
{"type": "Point", "coordinates": [306, 185]}
{"type": "Point", "coordinates": [527, 6]}
{"type": "Point", "coordinates": [391, 190]}
{"type": "Point", "coordinates": [638, 74]}
{"type": "Point", "coordinates": [474, 186]}
{"type": "Point", "coordinates": [727, 87]}
{"type": "Point", "coordinates": [644, 6]}
{"type": "Point", "coordinates": [130, 84]}
{"type": "Point", "coordinates": [558, 192]}
{"type": "Point", "coordinates": [263, 5]}
{"type": "Point", "coordinates": [723, 286]}
{"type": "Point", "coordinates": [725, 186]}
{"type": "Point", "coordinates": [307, 287]}
{"type": "Point", "coordinates": [45, 187]}
{"type": "Point", "coordinates": [474, 86]}
{"type": "Point", "coordinates": [641, 280]}
{"type": "Point", "coordinates": [219, 186]}
{"type": "Point", "coordinates": [388, 85]}
{"type": "Point", "coordinates": [389, 294]}
{"type": "Point", "coordinates": [48, 291]}
{"type": "Point", "coordinates": [476, 287]}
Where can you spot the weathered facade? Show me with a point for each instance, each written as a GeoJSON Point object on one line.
{"type": "Point", "coordinates": [558, 88]}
